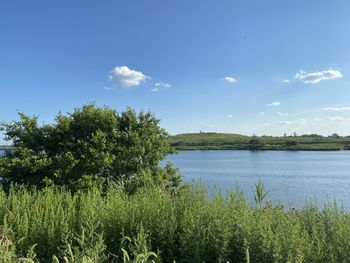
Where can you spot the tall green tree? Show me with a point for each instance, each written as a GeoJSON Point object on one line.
{"type": "Point", "coordinates": [90, 146]}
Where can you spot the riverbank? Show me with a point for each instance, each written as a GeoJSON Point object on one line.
{"type": "Point", "coordinates": [223, 141]}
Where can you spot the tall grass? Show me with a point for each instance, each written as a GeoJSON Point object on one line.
{"type": "Point", "coordinates": [189, 227]}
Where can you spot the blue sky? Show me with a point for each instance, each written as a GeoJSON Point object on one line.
{"type": "Point", "coordinates": [250, 67]}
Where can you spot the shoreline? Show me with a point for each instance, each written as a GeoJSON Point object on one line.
{"type": "Point", "coordinates": [277, 150]}
{"type": "Point", "coordinates": [223, 141]}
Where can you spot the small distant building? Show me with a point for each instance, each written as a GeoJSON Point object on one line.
{"type": "Point", "coordinates": [334, 135]}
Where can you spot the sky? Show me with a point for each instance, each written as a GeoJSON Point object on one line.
{"type": "Point", "coordinates": [250, 67]}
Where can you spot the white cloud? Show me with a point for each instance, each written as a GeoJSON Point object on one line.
{"type": "Point", "coordinates": [109, 88]}
{"type": "Point", "coordinates": [293, 122]}
{"type": "Point", "coordinates": [161, 85]}
{"type": "Point", "coordinates": [274, 104]}
{"type": "Point", "coordinates": [282, 113]}
{"type": "Point", "coordinates": [325, 121]}
{"type": "Point", "coordinates": [332, 118]}
{"type": "Point", "coordinates": [337, 108]}
{"type": "Point", "coordinates": [285, 81]}
{"type": "Point", "coordinates": [230, 116]}
{"type": "Point", "coordinates": [230, 79]}
{"type": "Point", "coordinates": [299, 121]}
{"type": "Point", "coordinates": [127, 77]}
{"type": "Point", "coordinates": [261, 113]}
{"type": "Point", "coordinates": [316, 77]}
{"type": "Point", "coordinates": [309, 122]}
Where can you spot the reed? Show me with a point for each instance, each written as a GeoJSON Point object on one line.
{"type": "Point", "coordinates": [53, 225]}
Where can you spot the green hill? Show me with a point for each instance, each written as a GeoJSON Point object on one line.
{"type": "Point", "coordinates": [226, 141]}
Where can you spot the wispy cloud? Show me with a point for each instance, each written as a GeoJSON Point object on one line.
{"type": "Point", "coordinates": [303, 122]}
{"type": "Point", "coordinates": [274, 104]}
{"type": "Point", "coordinates": [126, 77]}
{"type": "Point", "coordinates": [230, 79]}
{"type": "Point", "coordinates": [299, 121]}
{"type": "Point", "coordinates": [160, 86]}
{"type": "Point", "coordinates": [109, 88]}
{"type": "Point", "coordinates": [337, 108]}
{"type": "Point", "coordinates": [332, 119]}
{"type": "Point", "coordinates": [287, 122]}
{"type": "Point", "coordinates": [261, 113]}
{"type": "Point", "coordinates": [282, 113]}
{"type": "Point", "coordinates": [285, 81]}
{"type": "Point", "coordinates": [316, 77]}
{"type": "Point", "coordinates": [230, 116]}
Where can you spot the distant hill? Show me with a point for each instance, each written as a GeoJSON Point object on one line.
{"type": "Point", "coordinates": [5, 147]}
{"type": "Point", "coordinates": [226, 141]}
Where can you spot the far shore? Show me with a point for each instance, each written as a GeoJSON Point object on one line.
{"type": "Point", "coordinates": [279, 150]}
{"type": "Point", "coordinates": [225, 141]}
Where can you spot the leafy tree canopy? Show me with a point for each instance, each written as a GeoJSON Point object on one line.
{"type": "Point", "coordinates": [92, 145]}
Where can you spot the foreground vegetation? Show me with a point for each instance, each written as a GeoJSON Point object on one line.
{"type": "Point", "coordinates": [186, 227]}
{"type": "Point", "coordinates": [224, 141]}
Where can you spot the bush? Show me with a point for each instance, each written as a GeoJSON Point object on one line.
{"type": "Point", "coordinates": [88, 147]}
{"type": "Point", "coordinates": [290, 143]}
{"type": "Point", "coordinates": [255, 144]}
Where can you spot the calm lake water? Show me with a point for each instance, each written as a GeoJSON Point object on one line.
{"type": "Point", "coordinates": [290, 177]}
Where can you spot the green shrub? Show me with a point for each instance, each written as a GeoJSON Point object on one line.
{"type": "Point", "coordinates": [89, 147]}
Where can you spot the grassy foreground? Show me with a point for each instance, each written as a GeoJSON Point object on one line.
{"type": "Point", "coordinates": [187, 227]}
{"type": "Point", "coordinates": [225, 141]}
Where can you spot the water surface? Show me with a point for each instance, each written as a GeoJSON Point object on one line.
{"type": "Point", "coordinates": [290, 177]}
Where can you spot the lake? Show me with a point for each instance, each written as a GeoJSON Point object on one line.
{"type": "Point", "coordinates": [291, 177]}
